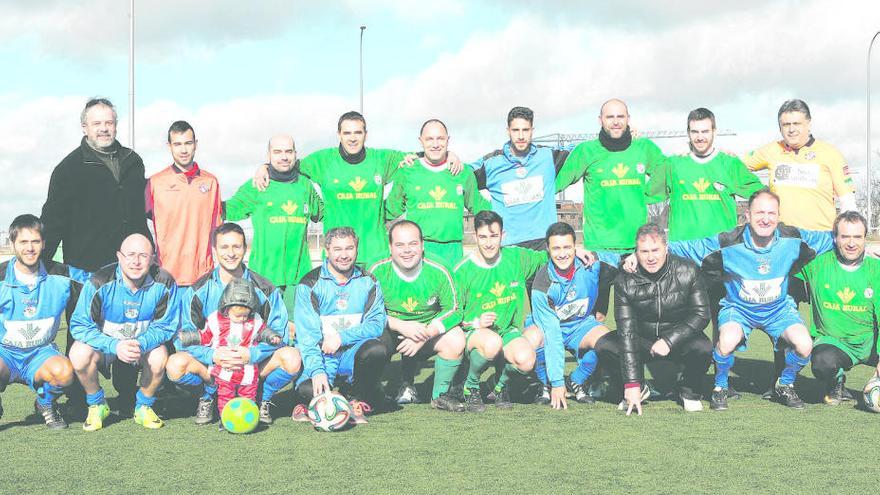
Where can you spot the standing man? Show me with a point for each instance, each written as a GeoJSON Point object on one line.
{"type": "Point", "coordinates": [280, 215]}
{"type": "Point", "coordinates": [126, 311]}
{"type": "Point", "coordinates": [423, 315]}
{"type": "Point", "coordinates": [279, 363]}
{"type": "Point", "coordinates": [806, 173]}
{"type": "Point", "coordinates": [339, 316]}
{"type": "Point", "coordinates": [183, 201]}
{"type": "Point", "coordinates": [661, 310]}
{"type": "Point", "coordinates": [96, 194]}
{"type": "Point", "coordinates": [520, 179]}
{"type": "Point", "coordinates": [429, 195]}
{"type": "Point", "coordinates": [842, 286]}
{"type": "Point", "coordinates": [756, 260]}
{"type": "Point", "coordinates": [491, 283]}
{"type": "Point", "coordinates": [563, 295]}
{"type": "Point", "coordinates": [33, 295]}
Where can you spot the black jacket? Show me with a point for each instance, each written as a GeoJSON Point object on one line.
{"type": "Point", "coordinates": [90, 211]}
{"type": "Point", "coordinates": [671, 305]}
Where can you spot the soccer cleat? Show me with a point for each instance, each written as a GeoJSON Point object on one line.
{"type": "Point", "coordinates": [787, 396]}
{"type": "Point", "coordinates": [265, 412]}
{"type": "Point", "coordinates": [690, 405]}
{"type": "Point", "coordinates": [50, 414]}
{"type": "Point", "coordinates": [359, 411]}
{"type": "Point", "coordinates": [598, 388]}
{"type": "Point", "coordinates": [838, 393]}
{"type": "Point", "coordinates": [205, 411]}
{"type": "Point", "coordinates": [768, 394]}
{"type": "Point", "coordinates": [446, 402]}
{"type": "Point", "coordinates": [146, 417]}
{"type": "Point", "coordinates": [472, 400]}
{"type": "Point", "coordinates": [543, 398]}
{"type": "Point", "coordinates": [300, 414]}
{"type": "Point", "coordinates": [95, 419]}
{"type": "Point", "coordinates": [407, 394]}
{"type": "Point", "coordinates": [577, 391]}
{"type": "Point", "coordinates": [502, 399]}
{"type": "Point", "coordinates": [733, 394]}
{"type": "Point", "coordinates": [718, 401]}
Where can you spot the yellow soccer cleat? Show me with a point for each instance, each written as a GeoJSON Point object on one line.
{"type": "Point", "coordinates": [146, 417]}
{"type": "Point", "coordinates": [96, 417]}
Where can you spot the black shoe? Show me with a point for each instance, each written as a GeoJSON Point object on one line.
{"type": "Point", "coordinates": [733, 394]}
{"type": "Point", "coordinates": [266, 412]}
{"type": "Point", "coordinates": [407, 394]}
{"type": "Point", "coordinates": [543, 398]}
{"type": "Point", "coordinates": [845, 395]}
{"type": "Point", "coordinates": [578, 392]}
{"type": "Point", "coordinates": [205, 411]}
{"type": "Point", "coordinates": [50, 414]}
{"type": "Point", "coordinates": [786, 395]}
{"type": "Point", "coordinates": [769, 394]}
{"type": "Point", "coordinates": [502, 399]}
{"type": "Point", "coordinates": [472, 400]}
{"type": "Point", "coordinates": [446, 402]}
{"type": "Point", "coordinates": [718, 401]}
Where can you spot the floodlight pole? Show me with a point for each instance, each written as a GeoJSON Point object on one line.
{"type": "Point", "coordinates": [868, 140]}
{"type": "Point", "coordinates": [131, 74]}
{"type": "Point", "coordinates": [362, 67]}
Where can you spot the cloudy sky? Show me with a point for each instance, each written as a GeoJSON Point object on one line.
{"type": "Point", "coordinates": [242, 71]}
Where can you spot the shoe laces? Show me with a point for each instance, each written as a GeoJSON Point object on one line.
{"type": "Point", "coordinates": [360, 407]}
{"type": "Point", "coordinates": [266, 404]}
{"type": "Point", "coordinates": [300, 409]}
{"type": "Point", "coordinates": [204, 407]}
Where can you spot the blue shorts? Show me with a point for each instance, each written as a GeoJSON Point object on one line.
{"type": "Point", "coordinates": [340, 364]}
{"type": "Point", "coordinates": [773, 325]}
{"type": "Point", "coordinates": [24, 363]}
{"type": "Point", "coordinates": [572, 337]}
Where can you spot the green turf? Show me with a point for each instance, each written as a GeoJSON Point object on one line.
{"type": "Point", "coordinates": [756, 446]}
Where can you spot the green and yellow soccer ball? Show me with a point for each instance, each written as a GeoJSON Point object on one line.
{"type": "Point", "coordinates": [872, 395]}
{"type": "Point", "coordinates": [240, 415]}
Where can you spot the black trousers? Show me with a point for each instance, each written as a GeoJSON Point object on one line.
{"type": "Point", "coordinates": [694, 354]}
{"type": "Point", "coordinates": [826, 360]}
{"type": "Point", "coordinates": [369, 364]}
{"type": "Point", "coordinates": [409, 365]}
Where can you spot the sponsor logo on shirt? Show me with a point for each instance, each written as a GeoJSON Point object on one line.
{"type": "Point", "coordinates": [289, 207]}
{"type": "Point", "coordinates": [497, 289]}
{"type": "Point", "coordinates": [702, 184]}
{"type": "Point", "coordinates": [523, 191]}
{"type": "Point", "coordinates": [761, 291]}
{"type": "Point", "coordinates": [437, 193]}
{"type": "Point", "coordinates": [357, 184]}
{"type": "Point", "coordinates": [846, 295]}
{"type": "Point", "coordinates": [410, 304]}
{"type": "Point", "coordinates": [797, 175]}
{"type": "Point", "coordinates": [573, 310]}
{"type": "Point", "coordinates": [28, 334]}
{"type": "Point", "coordinates": [336, 324]}
{"type": "Point", "coordinates": [620, 170]}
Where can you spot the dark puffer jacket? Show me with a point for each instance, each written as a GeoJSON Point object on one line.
{"type": "Point", "coordinates": [671, 304]}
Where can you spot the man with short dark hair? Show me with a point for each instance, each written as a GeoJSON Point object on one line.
{"type": "Point", "coordinates": [279, 363]}
{"type": "Point", "coordinates": [339, 317]}
{"type": "Point", "coordinates": [661, 310]}
{"type": "Point", "coordinates": [842, 286]}
{"type": "Point", "coordinates": [424, 315]}
{"type": "Point", "coordinates": [33, 295]}
{"type": "Point", "coordinates": [183, 200]}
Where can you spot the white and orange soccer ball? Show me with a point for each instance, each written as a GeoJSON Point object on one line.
{"type": "Point", "coordinates": [329, 411]}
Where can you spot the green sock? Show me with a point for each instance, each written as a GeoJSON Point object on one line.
{"type": "Point", "coordinates": [509, 370]}
{"type": "Point", "coordinates": [444, 371]}
{"type": "Point", "coordinates": [478, 364]}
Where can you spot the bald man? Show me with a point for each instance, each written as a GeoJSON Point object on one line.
{"type": "Point", "coordinates": [280, 215]}
{"type": "Point", "coordinates": [125, 312]}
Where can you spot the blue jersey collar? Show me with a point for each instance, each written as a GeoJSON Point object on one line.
{"type": "Point", "coordinates": [508, 153]}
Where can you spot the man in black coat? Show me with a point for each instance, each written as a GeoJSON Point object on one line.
{"type": "Point", "coordinates": [661, 309]}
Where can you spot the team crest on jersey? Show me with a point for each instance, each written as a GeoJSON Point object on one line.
{"type": "Point", "coordinates": [718, 186]}
{"type": "Point", "coordinates": [30, 311]}
{"type": "Point", "coordinates": [305, 208]}
{"type": "Point", "coordinates": [810, 155]}
{"type": "Point", "coordinates": [377, 179]}
{"type": "Point", "coordinates": [869, 293]}
{"type": "Point", "coordinates": [571, 295]}
{"type": "Point", "coordinates": [342, 302]}
{"type": "Point", "coordinates": [204, 188]}
{"type": "Point", "coordinates": [521, 171]}
{"type": "Point", "coordinates": [641, 168]}
{"type": "Point", "coordinates": [514, 284]}
{"type": "Point", "coordinates": [431, 300]}
{"type": "Point", "coordinates": [763, 266]}
{"type": "Point", "coordinates": [459, 190]}
{"type": "Point", "coordinates": [131, 313]}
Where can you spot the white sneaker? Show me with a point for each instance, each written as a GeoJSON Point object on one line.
{"type": "Point", "coordinates": [407, 395]}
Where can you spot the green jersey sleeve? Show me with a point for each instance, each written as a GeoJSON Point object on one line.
{"type": "Point", "coordinates": [531, 261]}
{"type": "Point", "coordinates": [395, 204]}
{"type": "Point", "coordinates": [451, 315]}
{"type": "Point", "coordinates": [473, 200]}
{"type": "Point", "coordinates": [656, 169]}
{"type": "Point", "coordinates": [316, 204]}
{"type": "Point", "coordinates": [241, 204]}
{"type": "Point", "coordinates": [740, 179]}
{"type": "Point", "coordinates": [574, 168]}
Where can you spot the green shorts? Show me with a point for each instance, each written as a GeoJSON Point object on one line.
{"type": "Point", "coordinates": [507, 336]}
{"type": "Point", "coordinates": [447, 254]}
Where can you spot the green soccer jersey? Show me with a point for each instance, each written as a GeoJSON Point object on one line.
{"type": "Point", "coordinates": [702, 193]}
{"type": "Point", "coordinates": [280, 216]}
{"type": "Point", "coordinates": [615, 190]}
{"type": "Point", "coordinates": [354, 194]}
{"type": "Point", "coordinates": [428, 296]}
{"type": "Point", "coordinates": [843, 304]}
{"type": "Point", "coordinates": [500, 288]}
{"type": "Point", "coordinates": [435, 199]}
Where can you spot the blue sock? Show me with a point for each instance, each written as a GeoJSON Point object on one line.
{"type": "Point", "coordinates": [586, 366]}
{"type": "Point", "coordinates": [541, 366]}
{"type": "Point", "coordinates": [276, 380]}
{"type": "Point", "coordinates": [96, 398]}
{"type": "Point", "coordinates": [47, 393]}
{"type": "Point", "coordinates": [793, 365]}
{"type": "Point", "coordinates": [190, 380]}
{"type": "Point", "coordinates": [722, 368]}
{"type": "Point", "coordinates": [210, 390]}
{"type": "Point", "coordinates": [142, 399]}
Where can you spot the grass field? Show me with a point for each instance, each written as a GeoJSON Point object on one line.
{"type": "Point", "coordinates": [756, 446]}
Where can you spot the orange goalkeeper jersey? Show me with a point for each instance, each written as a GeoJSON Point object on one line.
{"type": "Point", "coordinates": [806, 180]}
{"type": "Point", "coordinates": [185, 208]}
